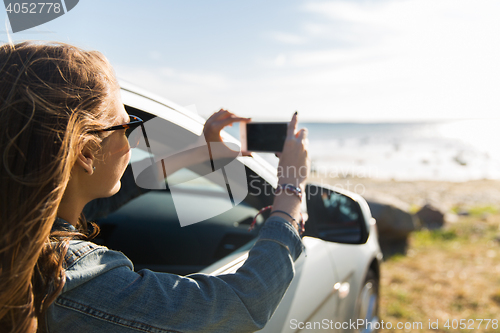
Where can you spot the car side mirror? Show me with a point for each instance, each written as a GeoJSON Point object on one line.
{"type": "Point", "coordinates": [336, 215]}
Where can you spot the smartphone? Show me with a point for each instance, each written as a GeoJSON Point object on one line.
{"type": "Point", "coordinates": [267, 137]}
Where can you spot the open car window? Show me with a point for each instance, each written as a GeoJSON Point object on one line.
{"type": "Point", "coordinates": [147, 228]}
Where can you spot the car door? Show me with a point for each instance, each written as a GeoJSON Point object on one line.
{"type": "Point", "coordinates": [148, 230]}
{"type": "Point", "coordinates": [311, 297]}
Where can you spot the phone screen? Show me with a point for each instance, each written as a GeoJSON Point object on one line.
{"type": "Point", "coordinates": [266, 137]}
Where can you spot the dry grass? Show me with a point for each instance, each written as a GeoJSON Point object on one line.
{"type": "Point", "coordinates": [453, 273]}
{"type": "Point", "coordinates": [448, 274]}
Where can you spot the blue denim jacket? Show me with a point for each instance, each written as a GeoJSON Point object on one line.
{"type": "Point", "coordinates": [103, 293]}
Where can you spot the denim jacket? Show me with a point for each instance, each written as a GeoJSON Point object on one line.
{"type": "Point", "coordinates": [103, 293]}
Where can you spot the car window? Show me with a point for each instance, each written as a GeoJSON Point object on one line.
{"type": "Point", "coordinates": [336, 217]}
{"type": "Point", "coordinates": [148, 230]}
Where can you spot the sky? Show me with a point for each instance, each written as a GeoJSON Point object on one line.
{"type": "Point", "coordinates": [339, 60]}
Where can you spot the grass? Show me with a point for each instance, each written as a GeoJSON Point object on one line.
{"type": "Point", "coordinates": [448, 274]}
{"type": "Point", "coordinates": [478, 210]}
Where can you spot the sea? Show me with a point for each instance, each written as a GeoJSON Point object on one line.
{"type": "Point", "coordinates": [451, 150]}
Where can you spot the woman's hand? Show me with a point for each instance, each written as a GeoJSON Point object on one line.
{"type": "Point", "coordinates": [197, 152]}
{"type": "Point", "coordinates": [214, 125]}
{"type": "Point", "coordinates": [217, 121]}
{"type": "Point", "coordinates": [294, 162]}
{"type": "Point", "coordinates": [293, 169]}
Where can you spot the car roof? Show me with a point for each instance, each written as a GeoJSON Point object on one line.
{"type": "Point", "coordinates": [130, 87]}
{"type": "Point", "coordinates": [142, 99]}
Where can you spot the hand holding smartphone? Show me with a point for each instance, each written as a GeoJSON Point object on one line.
{"type": "Point", "coordinates": [267, 137]}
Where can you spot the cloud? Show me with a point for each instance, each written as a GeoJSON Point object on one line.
{"type": "Point", "coordinates": [287, 38]}
{"type": "Point", "coordinates": [202, 79]}
{"type": "Point", "coordinates": [315, 29]}
{"type": "Point", "coordinates": [206, 90]}
{"type": "Point", "coordinates": [409, 59]}
{"type": "Point", "coordinates": [360, 12]}
{"type": "Point", "coordinates": [215, 81]}
{"type": "Point", "coordinates": [280, 60]}
{"type": "Point", "coordinates": [358, 61]}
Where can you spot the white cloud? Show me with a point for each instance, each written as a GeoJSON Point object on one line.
{"type": "Point", "coordinates": [208, 91]}
{"type": "Point", "coordinates": [287, 38]}
{"type": "Point", "coordinates": [314, 29]}
{"type": "Point", "coordinates": [337, 10]}
{"type": "Point", "coordinates": [280, 60]}
{"type": "Point", "coordinates": [166, 71]}
{"type": "Point", "coordinates": [362, 61]}
{"type": "Point", "coordinates": [409, 59]}
{"type": "Point", "coordinates": [213, 80]}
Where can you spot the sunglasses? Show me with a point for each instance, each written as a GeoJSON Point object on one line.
{"type": "Point", "coordinates": [129, 127]}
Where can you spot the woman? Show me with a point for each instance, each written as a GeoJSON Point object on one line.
{"type": "Point", "coordinates": [56, 104]}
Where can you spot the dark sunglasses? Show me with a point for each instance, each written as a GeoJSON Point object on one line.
{"type": "Point", "coordinates": [129, 127]}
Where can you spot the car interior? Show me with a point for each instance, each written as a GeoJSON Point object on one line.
{"type": "Point", "coordinates": [148, 231]}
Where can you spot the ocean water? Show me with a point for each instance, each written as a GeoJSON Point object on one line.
{"type": "Point", "coordinates": [447, 150]}
{"type": "Point", "coordinates": [458, 150]}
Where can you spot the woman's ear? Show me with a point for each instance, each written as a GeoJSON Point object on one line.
{"type": "Point", "coordinates": [85, 160]}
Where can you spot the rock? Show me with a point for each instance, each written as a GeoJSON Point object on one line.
{"type": "Point", "coordinates": [394, 223]}
{"type": "Point", "coordinates": [430, 217]}
{"type": "Point", "coordinates": [393, 218]}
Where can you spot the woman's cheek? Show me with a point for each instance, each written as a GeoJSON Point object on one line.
{"type": "Point", "coordinates": [129, 155]}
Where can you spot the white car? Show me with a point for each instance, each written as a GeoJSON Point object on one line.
{"type": "Point", "coordinates": [336, 286]}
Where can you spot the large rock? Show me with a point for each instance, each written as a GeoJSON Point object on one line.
{"type": "Point", "coordinates": [394, 223]}
{"type": "Point", "coordinates": [430, 217]}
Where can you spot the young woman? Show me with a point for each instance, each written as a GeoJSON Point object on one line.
{"type": "Point", "coordinates": [61, 146]}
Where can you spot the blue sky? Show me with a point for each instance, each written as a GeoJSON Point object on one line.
{"type": "Point", "coordinates": [383, 60]}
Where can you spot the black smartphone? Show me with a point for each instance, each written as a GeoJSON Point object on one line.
{"type": "Point", "coordinates": [268, 137]}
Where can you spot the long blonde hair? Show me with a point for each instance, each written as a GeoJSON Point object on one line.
{"type": "Point", "coordinates": [51, 96]}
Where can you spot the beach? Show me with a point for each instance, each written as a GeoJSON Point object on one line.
{"type": "Point", "coordinates": [448, 196]}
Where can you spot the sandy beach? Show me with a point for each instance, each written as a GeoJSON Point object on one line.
{"type": "Point", "coordinates": [446, 195]}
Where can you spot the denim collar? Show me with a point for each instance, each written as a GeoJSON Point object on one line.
{"type": "Point", "coordinates": [62, 225]}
